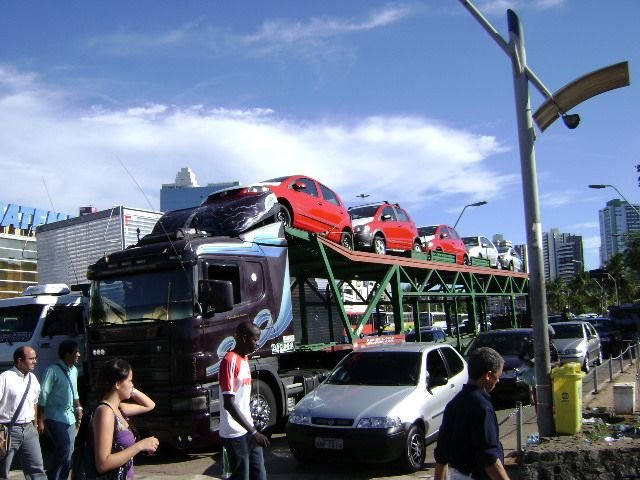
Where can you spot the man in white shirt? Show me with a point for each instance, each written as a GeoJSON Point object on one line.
{"type": "Point", "coordinates": [240, 438]}
{"type": "Point", "coordinates": [20, 415]}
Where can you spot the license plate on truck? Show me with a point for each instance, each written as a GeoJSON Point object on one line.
{"type": "Point", "coordinates": [329, 443]}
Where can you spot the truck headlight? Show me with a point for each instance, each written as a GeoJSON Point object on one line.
{"type": "Point", "coordinates": [379, 422]}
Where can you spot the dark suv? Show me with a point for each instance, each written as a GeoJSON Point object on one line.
{"type": "Point", "coordinates": [383, 226]}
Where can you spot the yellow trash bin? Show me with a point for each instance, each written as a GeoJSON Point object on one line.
{"type": "Point", "coordinates": [567, 397]}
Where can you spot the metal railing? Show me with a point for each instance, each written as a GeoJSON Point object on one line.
{"type": "Point", "coordinates": [613, 366]}
{"type": "Point", "coordinates": [597, 377]}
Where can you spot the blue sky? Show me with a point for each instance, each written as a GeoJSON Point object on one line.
{"type": "Point", "coordinates": [410, 102]}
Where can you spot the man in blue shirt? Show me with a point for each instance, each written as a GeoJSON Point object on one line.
{"type": "Point", "coordinates": [59, 410]}
{"type": "Point", "coordinates": [468, 441]}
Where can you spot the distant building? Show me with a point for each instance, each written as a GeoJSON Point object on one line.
{"type": "Point", "coordinates": [186, 192]}
{"type": "Point", "coordinates": [563, 255]}
{"type": "Point", "coordinates": [617, 219]}
{"type": "Point", "coordinates": [500, 242]}
{"type": "Point", "coordinates": [68, 247]}
{"type": "Point", "coordinates": [18, 267]}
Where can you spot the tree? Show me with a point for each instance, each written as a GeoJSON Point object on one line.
{"type": "Point", "coordinates": [557, 296]}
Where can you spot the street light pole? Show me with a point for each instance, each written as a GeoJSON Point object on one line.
{"type": "Point", "coordinates": [600, 186]}
{"type": "Point", "coordinates": [572, 94]}
{"type": "Point", "coordinates": [477, 204]}
{"type": "Point", "coordinates": [615, 286]}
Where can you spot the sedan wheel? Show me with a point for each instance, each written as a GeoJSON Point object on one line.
{"type": "Point", "coordinates": [512, 267]}
{"type": "Point", "coordinates": [599, 361]}
{"type": "Point", "coordinates": [379, 245]}
{"type": "Point", "coordinates": [417, 247]}
{"type": "Point", "coordinates": [284, 216]}
{"type": "Point", "coordinates": [347, 240]}
{"type": "Point", "coordinates": [414, 450]}
{"type": "Point", "coordinates": [586, 366]}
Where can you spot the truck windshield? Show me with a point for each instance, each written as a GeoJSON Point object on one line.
{"type": "Point", "coordinates": [17, 323]}
{"type": "Point", "coordinates": [142, 297]}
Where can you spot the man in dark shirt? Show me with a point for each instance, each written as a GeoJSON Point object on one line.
{"type": "Point", "coordinates": [468, 442]}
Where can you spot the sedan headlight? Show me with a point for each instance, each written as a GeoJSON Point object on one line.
{"type": "Point", "coordinates": [379, 422]}
{"type": "Point", "coordinates": [299, 418]}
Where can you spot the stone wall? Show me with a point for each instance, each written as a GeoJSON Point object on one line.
{"type": "Point", "coordinates": [569, 458]}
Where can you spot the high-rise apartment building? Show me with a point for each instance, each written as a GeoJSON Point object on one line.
{"type": "Point", "coordinates": [563, 255]}
{"type": "Point", "coordinates": [185, 191]}
{"type": "Point", "coordinates": [617, 219]}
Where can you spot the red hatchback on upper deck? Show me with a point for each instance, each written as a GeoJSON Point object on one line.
{"type": "Point", "coordinates": [309, 205]}
{"type": "Point", "coordinates": [444, 238]}
{"type": "Point", "coordinates": [384, 226]}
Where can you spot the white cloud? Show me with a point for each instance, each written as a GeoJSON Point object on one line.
{"type": "Point", "coordinates": [557, 199]}
{"type": "Point", "coordinates": [301, 38]}
{"type": "Point", "coordinates": [79, 153]}
{"type": "Point", "coordinates": [494, 7]}
{"type": "Point", "coordinates": [583, 226]}
{"type": "Point", "coordinates": [283, 32]}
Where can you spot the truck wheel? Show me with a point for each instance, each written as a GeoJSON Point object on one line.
{"type": "Point", "coordinates": [379, 245]}
{"type": "Point", "coordinates": [284, 215]}
{"type": "Point", "coordinates": [263, 405]}
{"type": "Point", "coordinates": [414, 450]}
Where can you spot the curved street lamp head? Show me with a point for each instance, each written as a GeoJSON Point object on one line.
{"type": "Point", "coordinates": [598, 186]}
{"type": "Point", "coordinates": [476, 204]}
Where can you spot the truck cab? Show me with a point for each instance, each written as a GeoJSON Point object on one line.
{"type": "Point", "coordinates": [42, 318]}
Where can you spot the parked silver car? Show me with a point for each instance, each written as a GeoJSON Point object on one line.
{"type": "Point", "coordinates": [578, 342]}
{"type": "Point", "coordinates": [380, 404]}
{"type": "Point", "coordinates": [482, 247]}
{"type": "Point", "coordinates": [509, 259]}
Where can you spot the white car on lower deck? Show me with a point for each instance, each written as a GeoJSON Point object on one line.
{"type": "Point", "coordinates": [380, 404]}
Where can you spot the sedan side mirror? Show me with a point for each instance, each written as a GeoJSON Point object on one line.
{"type": "Point", "coordinates": [437, 382]}
{"type": "Point", "coordinates": [385, 217]}
{"type": "Point", "coordinates": [298, 186]}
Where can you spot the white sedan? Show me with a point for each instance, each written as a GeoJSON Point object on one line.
{"type": "Point", "coordinates": [380, 404]}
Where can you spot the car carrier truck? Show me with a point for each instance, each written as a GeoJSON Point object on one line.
{"type": "Point", "coordinates": [170, 306]}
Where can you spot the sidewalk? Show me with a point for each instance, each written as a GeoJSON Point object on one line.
{"type": "Point", "coordinates": [603, 398]}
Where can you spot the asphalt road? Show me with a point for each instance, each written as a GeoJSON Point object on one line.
{"type": "Point", "coordinates": [279, 462]}
{"type": "Point", "coordinates": [280, 465]}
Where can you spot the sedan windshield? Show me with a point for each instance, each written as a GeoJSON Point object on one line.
{"type": "Point", "coordinates": [142, 297]}
{"type": "Point", "coordinates": [363, 212]}
{"type": "Point", "coordinates": [427, 231]}
{"type": "Point", "coordinates": [503, 343]}
{"type": "Point", "coordinates": [568, 331]}
{"type": "Point", "coordinates": [377, 368]}
{"type": "Point", "coordinates": [470, 241]}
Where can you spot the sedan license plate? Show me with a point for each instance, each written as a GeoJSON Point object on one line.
{"type": "Point", "coordinates": [329, 443]}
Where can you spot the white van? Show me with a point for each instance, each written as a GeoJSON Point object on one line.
{"type": "Point", "coordinates": [42, 318]}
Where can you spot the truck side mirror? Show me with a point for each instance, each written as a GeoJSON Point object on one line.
{"type": "Point", "coordinates": [216, 296]}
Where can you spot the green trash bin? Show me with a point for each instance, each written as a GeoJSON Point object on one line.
{"type": "Point", "coordinates": [567, 397]}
